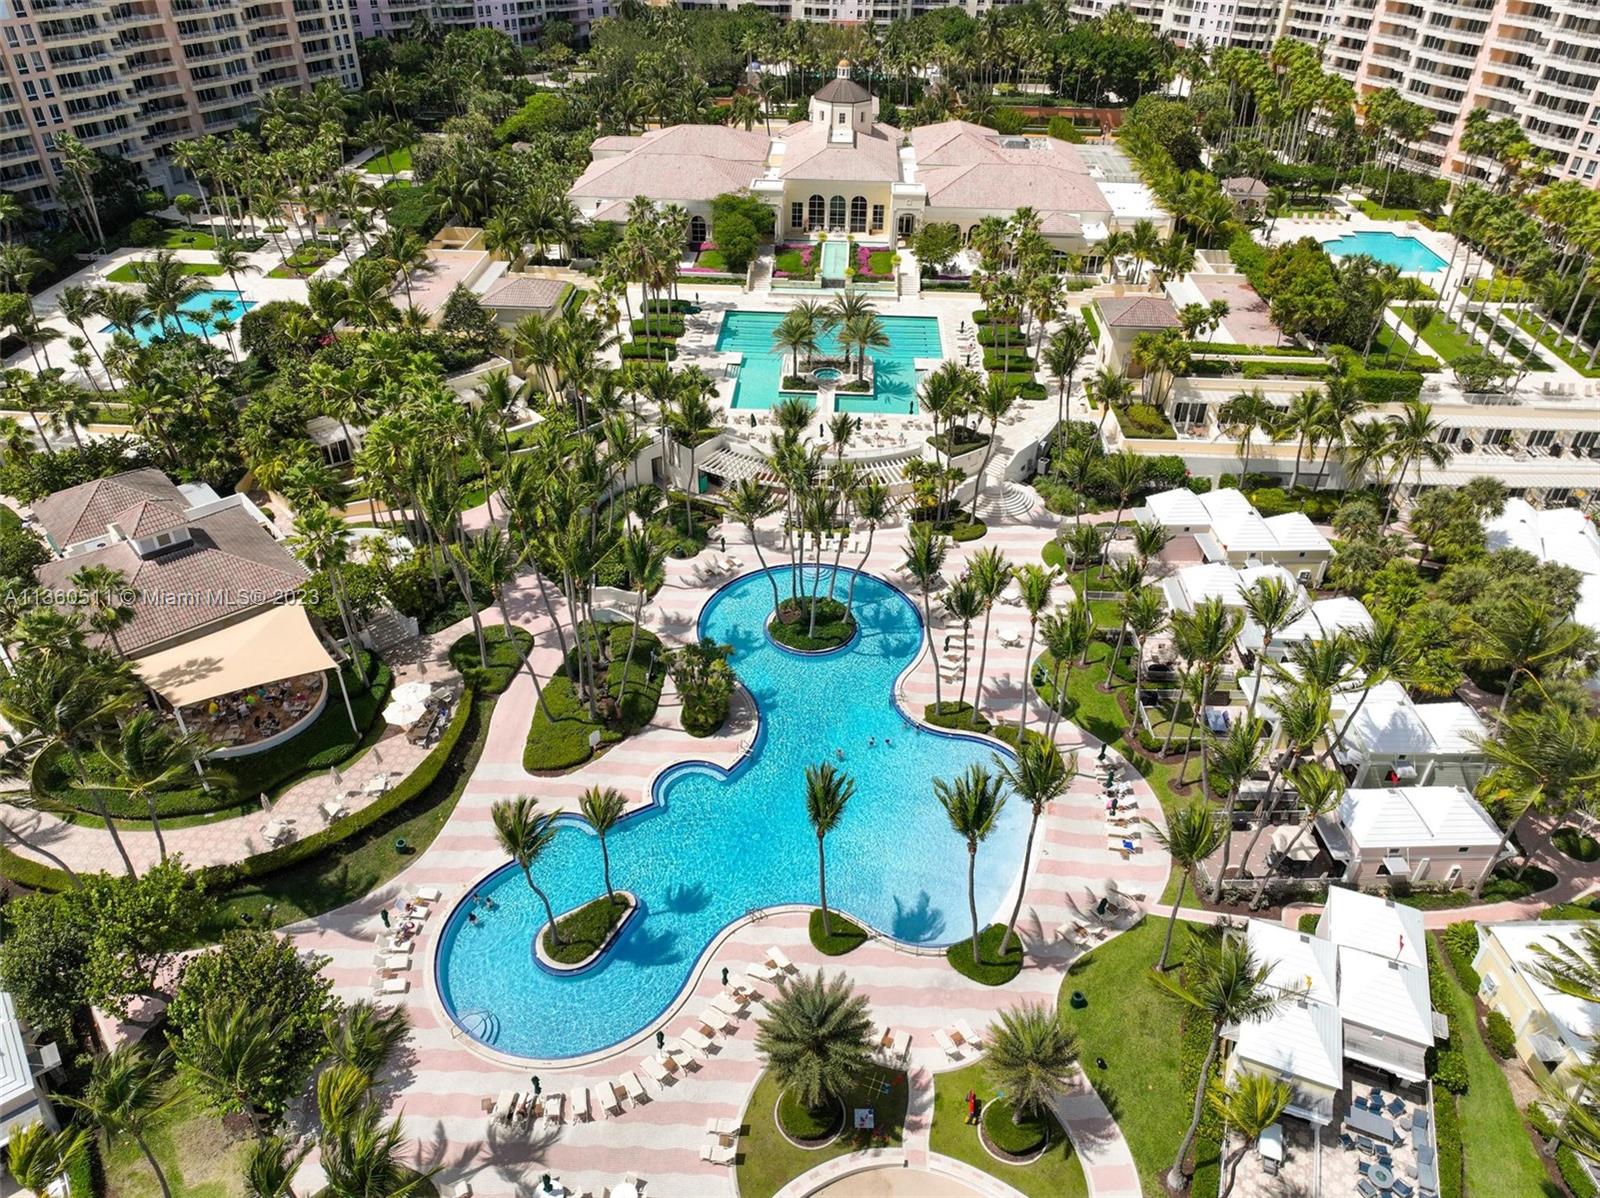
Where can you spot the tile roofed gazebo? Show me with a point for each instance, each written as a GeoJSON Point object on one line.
{"type": "Point", "coordinates": [1139, 312]}
{"type": "Point", "coordinates": [82, 513]}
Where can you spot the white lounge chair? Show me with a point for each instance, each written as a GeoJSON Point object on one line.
{"type": "Point", "coordinates": [899, 1045]}
{"type": "Point", "coordinates": [698, 1040]}
{"type": "Point", "coordinates": [580, 1103]}
{"type": "Point", "coordinates": [657, 1070]}
{"type": "Point", "coordinates": [429, 894]}
{"type": "Point", "coordinates": [553, 1104]}
{"type": "Point", "coordinates": [635, 1088]}
{"type": "Point", "coordinates": [705, 1151]}
{"type": "Point", "coordinates": [778, 961]}
{"type": "Point", "coordinates": [613, 1093]}
{"type": "Point", "coordinates": [728, 1003]}
{"type": "Point", "coordinates": [715, 1018]}
{"type": "Point", "coordinates": [505, 1105]}
{"type": "Point", "coordinates": [967, 1034]}
{"type": "Point", "coordinates": [943, 1040]}
{"type": "Point", "coordinates": [761, 973]}
{"type": "Point", "coordinates": [390, 986]}
{"type": "Point", "coordinates": [724, 1154]}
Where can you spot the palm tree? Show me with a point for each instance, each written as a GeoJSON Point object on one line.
{"type": "Point", "coordinates": [1030, 1057]}
{"type": "Point", "coordinates": [147, 759]}
{"type": "Point", "coordinates": [603, 807]}
{"type": "Point", "coordinates": [1228, 987]}
{"type": "Point", "coordinates": [1034, 582]}
{"type": "Point", "coordinates": [492, 563]}
{"type": "Point", "coordinates": [962, 605]}
{"type": "Point", "coordinates": [1125, 473]}
{"type": "Point", "coordinates": [1544, 758]}
{"type": "Point", "coordinates": [1192, 834]}
{"type": "Point", "coordinates": [361, 1153]}
{"type": "Point", "coordinates": [1242, 417]}
{"type": "Point", "coordinates": [1068, 348]}
{"type": "Point", "coordinates": [691, 422]}
{"type": "Point", "coordinates": [1273, 604]}
{"type": "Point", "coordinates": [749, 502]}
{"type": "Point", "coordinates": [925, 554]}
{"type": "Point", "coordinates": [1252, 1103]}
{"type": "Point", "coordinates": [524, 833]}
{"type": "Point", "coordinates": [828, 791]}
{"type": "Point", "coordinates": [871, 503]}
{"type": "Point", "coordinates": [127, 1093]}
{"type": "Point", "coordinates": [269, 1167]}
{"type": "Point", "coordinates": [226, 1051]}
{"type": "Point", "coordinates": [972, 803]}
{"type": "Point", "coordinates": [1067, 635]}
{"type": "Point", "coordinates": [365, 1036]}
{"type": "Point", "coordinates": [816, 1039]}
{"type": "Point", "coordinates": [322, 541]}
{"type": "Point", "coordinates": [1525, 637]}
{"type": "Point", "coordinates": [642, 559]}
{"type": "Point", "coordinates": [1235, 760]}
{"type": "Point", "coordinates": [38, 1158]}
{"type": "Point", "coordinates": [1413, 440]}
{"type": "Point", "coordinates": [1037, 775]}
{"type": "Point", "coordinates": [1317, 790]}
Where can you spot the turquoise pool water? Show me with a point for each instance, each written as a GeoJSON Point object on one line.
{"type": "Point", "coordinates": [1405, 253]}
{"type": "Point", "coordinates": [149, 330]}
{"type": "Point", "coordinates": [835, 258]}
{"type": "Point", "coordinates": [717, 844]}
{"type": "Point", "coordinates": [762, 368]}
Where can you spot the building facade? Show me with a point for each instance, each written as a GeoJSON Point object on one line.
{"type": "Point", "coordinates": [131, 79]}
{"type": "Point", "coordinates": [521, 20]}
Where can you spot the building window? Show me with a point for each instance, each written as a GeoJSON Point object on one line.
{"type": "Point", "coordinates": [797, 215]}
{"type": "Point", "coordinates": [698, 231]}
{"type": "Point", "coordinates": [858, 214]}
{"type": "Point", "coordinates": [844, 118]}
{"type": "Point", "coordinates": [836, 212]}
{"type": "Point", "coordinates": [816, 212]}
{"type": "Point", "coordinates": [877, 218]}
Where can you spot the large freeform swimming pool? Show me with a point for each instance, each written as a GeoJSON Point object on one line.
{"type": "Point", "coordinates": [1403, 253]}
{"type": "Point", "coordinates": [198, 306]}
{"type": "Point", "coordinates": [894, 365]}
{"type": "Point", "coordinates": [716, 845]}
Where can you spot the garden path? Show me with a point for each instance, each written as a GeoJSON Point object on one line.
{"type": "Point", "coordinates": [441, 1089]}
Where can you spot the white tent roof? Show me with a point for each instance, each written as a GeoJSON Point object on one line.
{"type": "Point", "coordinates": [1416, 817]}
{"type": "Point", "coordinates": [1180, 507]}
{"type": "Point", "coordinates": [16, 1076]}
{"type": "Point", "coordinates": [1562, 535]}
{"type": "Point", "coordinates": [279, 643]}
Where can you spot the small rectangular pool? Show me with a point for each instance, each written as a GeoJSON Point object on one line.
{"type": "Point", "coordinates": [1403, 253]}
{"type": "Point", "coordinates": [835, 258]}
{"type": "Point", "coordinates": [189, 316]}
{"type": "Point", "coordinates": [763, 366]}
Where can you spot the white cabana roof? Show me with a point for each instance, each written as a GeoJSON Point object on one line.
{"type": "Point", "coordinates": [276, 644]}
{"type": "Point", "coordinates": [1417, 817]}
{"type": "Point", "coordinates": [1577, 1020]}
{"type": "Point", "coordinates": [1326, 618]}
{"type": "Point", "coordinates": [1375, 925]}
{"type": "Point", "coordinates": [16, 1075]}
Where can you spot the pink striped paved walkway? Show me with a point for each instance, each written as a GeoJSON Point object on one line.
{"type": "Point", "coordinates": [440, 1090]}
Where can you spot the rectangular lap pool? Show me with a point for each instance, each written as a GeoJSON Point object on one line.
{"type": "Point", "coordinates": [190, 315]}
{"type": "Point", "coordinates": [835, 257]}
{"type": "Point", "coordinates": [1403, 253]}
{"type": "Point", "coordinates": [763, 365]}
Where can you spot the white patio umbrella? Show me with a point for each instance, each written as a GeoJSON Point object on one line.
{"type": "Point", "coordinates": [407, 703]}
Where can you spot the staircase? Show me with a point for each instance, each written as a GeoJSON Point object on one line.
{"type": "Point", "coordinates": [388, 631]}
{"type": "Point", "coordinates": [1004, 500]}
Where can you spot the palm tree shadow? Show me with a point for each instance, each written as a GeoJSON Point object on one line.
{"type": "Point", "coordinates": [919, 922]}
{"type": "Point", "coordinates": [686, 900]}
{"type": "Point", "coordinates": [646, 946]}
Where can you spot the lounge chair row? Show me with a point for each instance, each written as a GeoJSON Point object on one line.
{"type": "Point", "coordinates": [958, 1040]}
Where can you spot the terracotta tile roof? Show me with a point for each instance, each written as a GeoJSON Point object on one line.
{"type": "Point", "coordinates": [681, 162]}
{"type": "Point", "coordinates": [842, 91]}
{"type": "Point", "coordinates": [1139, 312]}
{"type": "Point", "coordinates": [232, 566]}
{"type": "Point", "coordinates": [874, 156]}
{"type": "Point", "coordinates": [963, 165]}
{"type": "Point", "coordinates": [81, 513]}
{"type": "Point", "coordinates": [524, 293]}
{"type": "Point", "coordinates": [147, 517]}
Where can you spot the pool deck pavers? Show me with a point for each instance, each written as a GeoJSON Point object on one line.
{"type": "Point", "coordinates": [441, 1088]}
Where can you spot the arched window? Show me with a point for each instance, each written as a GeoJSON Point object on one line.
{"type": "Point", "coordinates": [858, 214]}
{"type": "Point", "coordinates": [816, 212]}
{"type": "Point", "coordinates": [697, 230]}
{"type": "Point", "coordinates": [836, 212]}
{"type": "Point", "coordinates": [908, 223]}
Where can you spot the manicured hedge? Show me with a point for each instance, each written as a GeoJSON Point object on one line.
{"type": "Point", "coordinates": [650, 348]}
{"type": "Point", "coordinates": [505, 658]}
{"type": "Point", "coordinates": [348, 825]}
{"type": "Point", "coordinates": [1016, 361]}
{"type": "Point", "coordinates": [1286, 370]}
{"type": "Point", "coordinates": [667, 305]}
{"type": "Point", "coordinates": [1143, 420]}
{"type": "Point", "coordinates": [1229, 348]}
{"type": "Point", "coordinates": [658, 325]}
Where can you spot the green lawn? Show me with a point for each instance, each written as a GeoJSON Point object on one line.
{"type": "Point", "coordinates": [359, 864]}
{"type": "Point", "coordinates": [558, 734]}
{"type": "Point", "coordinates": [1134, 1026]}
{"type": "Point", "coordinates": [505, 658]}
{"type": "Point", "coordinates": [190, 239]}
{"type": "Point", "coordinates": [1444, 336]}
{"type": "Point", "coordinates": [881, 262]}
{"type": "Point", "coordinates": [1578, 358]}
{"type": "Point", "coordinates": [712, 260]}
{"type": "Point", "coordinates": [1500, 1157]}
{"type": "Point", "coordinates": [1371, 208]}
{"type": "Point", "coordinates": [1058, 1174]}
{"type": "Point", "coordinates": [767, 1161]}
{"type": "Point", "coordinates": [200, 1157]}
{"type": "Point", "coordinates": [390, 163]}
{"type": "Point", "coordinates": [124, 273]}
{"type": "Point", "coordinates": [1392, 352]}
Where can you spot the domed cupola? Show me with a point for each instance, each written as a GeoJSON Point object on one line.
{"type": "Point", "coordinates": [844, 106]}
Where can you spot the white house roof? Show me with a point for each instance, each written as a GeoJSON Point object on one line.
{"type": "Point", "coordinates": [1302, 1039]}
{"type": "Point", "coordinates": [1180, 507]}
{"type": "Point", "coordinates": [16, 1077]}
{"type": "Point", "coordinates": [1561, 535]}
{"type": "Point", "coordinates": [1385, 995]}
{"type": "Point", "coordinates": [1294, 531]}
{"type": "Point", "coordinates": [1300, 961]}
{"type": "Point", "coordinates": [1416, 817]}
{"type": "Point", "coordinates": [1577, 1020]}
{"type": "Point", "coordinates": [1378, 926]}
{"type": "Point", "coordinates": [1390, 727]}
{"type": "Point", "coordinates": [1326, 618]}
{"type": "Point", "coordinates": [1453, 726]}
{"type": "Point", "coordinates": [1236, 524]}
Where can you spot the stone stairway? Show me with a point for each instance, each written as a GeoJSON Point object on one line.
{"type": "Point", "coordinates": [1003, 500]}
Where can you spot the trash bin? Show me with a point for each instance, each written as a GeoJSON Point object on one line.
{"type": "Point", "coordinates": [1079, 1000]}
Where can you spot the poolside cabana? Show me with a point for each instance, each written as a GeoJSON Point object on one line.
{"type": "Point", "coordinates": [225, 668]}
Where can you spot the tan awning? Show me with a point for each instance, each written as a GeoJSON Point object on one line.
{"type": "Point", "coordinates": [279, 643]}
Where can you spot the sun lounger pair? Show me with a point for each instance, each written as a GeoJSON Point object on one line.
{"type": "Point", "coordinates": [383, 985]}
{"type": "Point", "coordinates": [699, 1040]}
{"type": "Point", "coordinates": [661, 1068]}
{"type": "Point", "coordinates": [718, 1153]}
